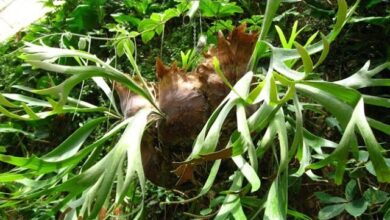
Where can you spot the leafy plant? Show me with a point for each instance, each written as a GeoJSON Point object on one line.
{"type": "Point", "coordinates": [156, 24]}
{"type": "Point", "coordinates": [354, 205]}
{"type": "Point", "coordinates": [188, 59]}
{"type": "Point", "coordinates": [216, 26]}
{"type": "Point", "coordinates": [254, 22]}
{"type": "Point", "coordinates": [140, 6]}
{"type": "Point", "coordinates": [219, 8]}
{"type": "Point", "coordinates": [87, 177]}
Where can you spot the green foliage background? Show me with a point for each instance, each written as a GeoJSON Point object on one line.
{"type": "Point", "coordinates": [140, 31]}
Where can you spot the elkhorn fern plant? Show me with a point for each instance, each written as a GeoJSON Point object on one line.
{"type": "Point", "coordinates": [77, 181]}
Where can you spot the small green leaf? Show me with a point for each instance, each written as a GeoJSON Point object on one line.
{"type": "Point", "coordinates": [331, 211]}
{"type": "Point", "coordinates": [356, 207]}
{"type": "Point", "coordinates": [148, 24]}
{"type": "Point", "coordinates": [123, 19]}
{"type": "Point", "coordinates": [133, 34]}
{"type": "Point", "coordinates": [324, 52]}
{"type": "Point", "coordinates": [6, 103]}
{"type": "Point", "coordinates": [206, 211]}
{"type": "Point", "coordinates": [363, 156]}
{"type": "Point", "coordinates": [351, 190]}
{"type": "Point", "coordinates": [169, 14]}
{"type": "Point", "coordinates": [82, 44]}
{"type": "Point", "coordinates": [294, 34]}
{"type": "Point", "coordinates": [306, 59]}
{"type": "Point", "coordinates": [218, 9]}
{"type": "Point", "coordinates": [229, 9]}
{"type": "Point", "coordinates": [370, 167]}
{"type": "Point", "coordinates": [374, 196]}
{"type": "Point", "coordinates": [298, 215]}
{"type": "Point", "coordinates": [209, 8]}
{"type": "Point", "coordinates": [121, 44]}
{"type": "Point", "coordinates": [311, 39]}
{"type": "Point", "coordinates": [147, 36]}
{"type": "Point", "coordinates": [326, 198]}
{"type": "Point", "coordinates": [341, 18]}
{"type": "Point", "coordinates": [157, 17]}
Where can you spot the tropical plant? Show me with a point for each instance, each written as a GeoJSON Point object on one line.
{"type": "Point", "coordinates": [88, 178]}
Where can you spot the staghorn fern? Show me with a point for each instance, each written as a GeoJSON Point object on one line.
{"type": "Point", "coordinates": [278, 100]}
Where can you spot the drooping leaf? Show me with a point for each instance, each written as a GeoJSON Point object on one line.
{"type": "Point", "coordinates": [55, 159]}
{"type": "Point", "coordinates": [103, 173]}
{"type": "Point", "coordinates": [348, 143]}
{"type": "Point", "coordinates": [307, 62]}
{"type": "Point", "coordinates": [42, 56]}
{"type": "Point", "coordinates": [276, 205]}
{"type": "Point", "coordinates": [324, 52]}
{"type": "Point", "coordinates": [248, 171]}
{"type": "Point", "coordinates": [6, 103]}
